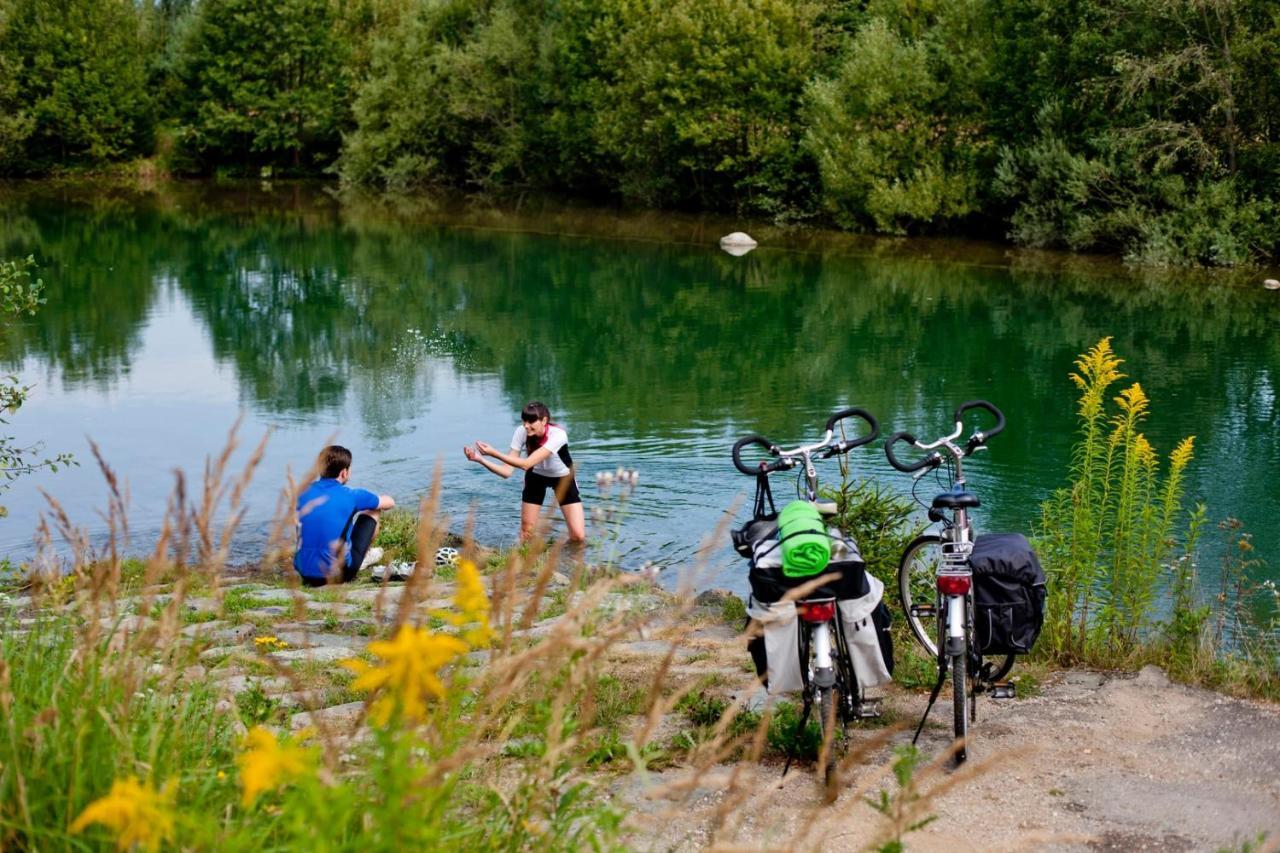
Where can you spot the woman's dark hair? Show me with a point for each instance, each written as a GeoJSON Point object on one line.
{"type": "Point", "coordinates": [333, 460]}
{"type": "Point", "coordinates": [534, 411]}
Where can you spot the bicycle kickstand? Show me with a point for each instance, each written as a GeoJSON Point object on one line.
{"type": "Point", "coordinates": [933, 696]}
{"type": "Point", "coordinates": [795, 738]}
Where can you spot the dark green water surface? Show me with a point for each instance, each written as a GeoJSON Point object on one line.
{"type": "Point", "coordinates": [404, 334]}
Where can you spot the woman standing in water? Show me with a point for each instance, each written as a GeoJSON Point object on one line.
{"type": "Point", "coordinates": [546, 464]}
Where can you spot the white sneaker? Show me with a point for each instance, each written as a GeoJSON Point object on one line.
{"type": "Point", "coordinates": [371, 558]}
{"type": "Point", "coordinates": [397, 571]}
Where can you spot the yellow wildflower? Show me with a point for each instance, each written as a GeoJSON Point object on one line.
{"type": "Point", "coordinates": [270, 643]}
{"type": "Point", "coordinates": [412, 660]}
{"type": "Point", "coordinates": [266, 764]}
{"type": "Point", "coordinates": [135, 812]}
{"type": "Point", "coordinates": [473, 607]}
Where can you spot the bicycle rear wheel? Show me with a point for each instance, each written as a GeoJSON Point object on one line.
{"type": "Point", "coordinates": [917, 585]}
{"type": "Point", "coordinates": [829, 715]}
{"type": "Point", "coordinates": [960, 703]}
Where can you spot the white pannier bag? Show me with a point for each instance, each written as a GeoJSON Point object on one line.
{"type": "Point", "coordinates": [863, 636]}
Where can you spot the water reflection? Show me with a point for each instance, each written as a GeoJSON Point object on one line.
{"type": "Point", "coordinates": [657, 351]}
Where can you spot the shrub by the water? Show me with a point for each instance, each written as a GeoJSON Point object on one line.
{"type": "Point", "coordinates": [1120, 551]}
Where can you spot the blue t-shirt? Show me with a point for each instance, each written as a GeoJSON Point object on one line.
{"type": "Point", "coordinates": [323, 512]}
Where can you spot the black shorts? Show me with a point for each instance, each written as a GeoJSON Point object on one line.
{"type": "Point", "coordinates": [536, 485]}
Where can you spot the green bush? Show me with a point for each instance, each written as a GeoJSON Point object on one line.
{"type": "Point", "coordinates": [78, 86]}
{"type": "Point", "coordinates": [265, 85]}
{"type": "Point", "coordinates": [886, 157]}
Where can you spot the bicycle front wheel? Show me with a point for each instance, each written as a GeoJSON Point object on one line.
{"type": "Point", "coordinates": [918, 585]}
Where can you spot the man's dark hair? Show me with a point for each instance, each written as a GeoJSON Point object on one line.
{"type": "Point", "coordinates": [333, 460]}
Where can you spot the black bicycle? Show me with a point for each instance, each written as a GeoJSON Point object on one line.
{"type": "Point", "coordinates": [827, 669]}
{"type": "Point", "coordinates": [936, 581]}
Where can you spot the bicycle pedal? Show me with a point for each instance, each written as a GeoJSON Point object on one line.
{"type": "Point", "coordinates": [924, 611]}
{"type": "Point", "coordinates": [869, 710]}
{"type": "Point", "coordinates": [1004, 690]}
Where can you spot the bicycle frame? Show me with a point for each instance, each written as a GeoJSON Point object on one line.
{"type": "Point", "coordinates": [953, 581]}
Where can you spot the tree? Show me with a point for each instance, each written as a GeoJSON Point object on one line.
{"type": "Point", "coordinates": [699, 100]}
{"type": "Point", "coordinates": [266, 83]}
{"type": "Point", "coordinates": [75, 71]}
{"type": "Point", "coordinates": [19, 296]}
{"type": "Point", "coordinates": [887, 154]}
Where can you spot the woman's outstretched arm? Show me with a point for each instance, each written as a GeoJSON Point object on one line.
{"type": "Point", "coordinates": [523, 463]}
{"type": "Point", "coordinates": [474, 454]}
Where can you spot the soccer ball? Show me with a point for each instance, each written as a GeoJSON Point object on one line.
{"type": "Point", "coordinates": [447, 557]}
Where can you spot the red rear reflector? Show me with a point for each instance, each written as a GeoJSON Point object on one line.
{"type": "Point", "coordinates": [953, 584]}
{"type": "Point", "coordinates": [821, 612]}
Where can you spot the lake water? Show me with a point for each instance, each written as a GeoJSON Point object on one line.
{"type": "Point", "coordinates": [405, 333]}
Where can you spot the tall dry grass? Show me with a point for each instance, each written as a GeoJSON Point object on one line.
{"type": "Point", "coordinates": [482, 723]}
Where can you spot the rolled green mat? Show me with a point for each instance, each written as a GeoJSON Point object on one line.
{"type": "Point", "coordinates": [806, 548]}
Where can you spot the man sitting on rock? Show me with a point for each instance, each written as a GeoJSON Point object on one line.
{"type": "Point", "coordinates": [336, 523]}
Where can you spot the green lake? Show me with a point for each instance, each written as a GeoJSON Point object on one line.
{"type": "Point", "coordinates": [405, 332]}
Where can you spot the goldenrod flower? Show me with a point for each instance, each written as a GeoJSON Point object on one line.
{"type": "Point", "coordinates": [473, 607]}
{"type": "Point", "coordinates": [266, 764]}
{"type": "Point", "coordinates": [408, 675]}
{"type": "Point", "coordinates": [135, 812]}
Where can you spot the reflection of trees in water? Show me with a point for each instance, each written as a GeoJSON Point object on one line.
{"type": "Point", "coordinates": [97, 269]}
{"type": "Point", "coordinates": [310, 304]}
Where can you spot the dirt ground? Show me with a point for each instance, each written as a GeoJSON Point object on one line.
{"type": "Point", "coordinates": [1092, 761]}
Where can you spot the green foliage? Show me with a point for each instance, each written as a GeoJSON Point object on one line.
{"type": "Point", "coordinates": [78, 83]}
{"type": "Point", "coordinates": [1143, 127]}
{"type": "Point", "coordinates": [85, 723]}
{"type": "Point", "coordinates": [1167, 154]}
{"type": "Point", "coordinates": [265, 85]}
{"type": "Point", "coordinates": [1106, 537]}
{"type": "Point", "coordinates": [886, 154]}
{"type": "Point", "coordinates": [881, 522]}
{"type": "Point", "coordinates": [446, 100]}
{"type": "Point", "coordinates": [256, 706]}
{"type": "Point", "coordinates": [698, 99]}
{"type": "Point", "coordinates": [901, 806]}
{"type": "Point", "coordinates": [19, 296]}
{"type": "Point", "coordinates": [733, 611]}
{"type": "Point", "coordinates": [787, 737]}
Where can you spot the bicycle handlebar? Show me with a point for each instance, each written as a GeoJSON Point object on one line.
{"type": "Point", "coordinates": [932, 460]}
{"type": "Point", "coordinates": [980, 437]}
{"type": "Point", "coordinates": [765, 467]}
{"type": "Point", "coordinates": [846, 446]}
{"type": "Point", "coordinates": [787, 459]}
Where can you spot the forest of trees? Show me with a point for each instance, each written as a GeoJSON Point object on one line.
{"type": "Point", "coordinates": [1149, 128]}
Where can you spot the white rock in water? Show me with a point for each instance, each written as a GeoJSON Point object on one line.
{"type": "Point", "coordinates": [737, 238]}
{"type": "Point", "coordinates": [1271, 284]}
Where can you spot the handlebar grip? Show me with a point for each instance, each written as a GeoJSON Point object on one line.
{"type": "Point", "coordinates": [931, 459]}
{"type": "Point", "coordinates": [989, 407]}
{"type": "Point", "coordinates": [854, 412]}
{"type": "Point", "coordinates": [745, 442]}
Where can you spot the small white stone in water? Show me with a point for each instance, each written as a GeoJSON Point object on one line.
{"type": "Point", "coordinates": [737, 243]}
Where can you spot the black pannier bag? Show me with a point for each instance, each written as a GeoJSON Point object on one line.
{"type": "Point", "coordinates": [1008, 594]}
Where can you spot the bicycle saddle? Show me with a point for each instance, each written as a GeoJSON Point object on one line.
{"type": "Point", "coordinates": [956, 500]}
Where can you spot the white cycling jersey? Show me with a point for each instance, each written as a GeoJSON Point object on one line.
{"type": "Point", "coordinates": [554, 439]}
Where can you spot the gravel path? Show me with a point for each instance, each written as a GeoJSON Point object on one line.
{"type": "Point", "coordinates": [1094, 761]}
